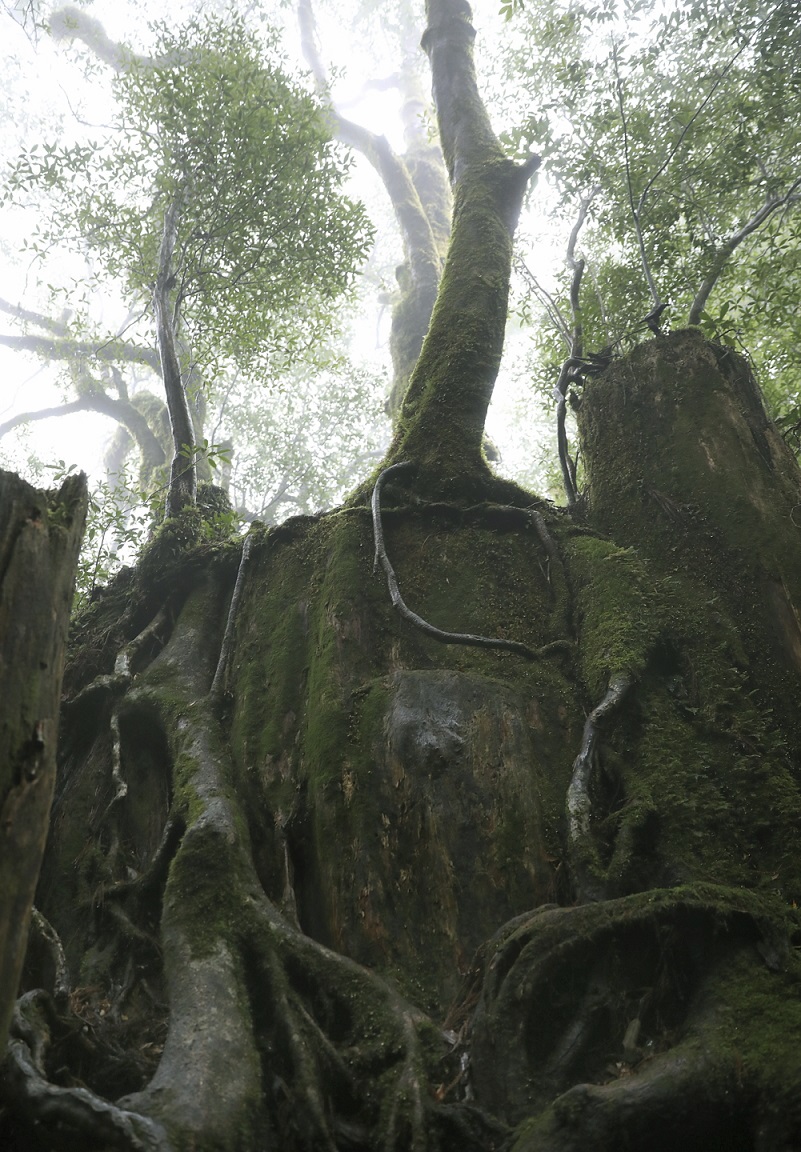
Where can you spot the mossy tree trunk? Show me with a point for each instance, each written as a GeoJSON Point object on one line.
{"type": "Point", "coordinates": [441, 426]}
{"type": "Point", "coordinates": [40, 535]}
{"type": "Point", "coordinates": [326, 882]}
{"type": "Point", "coordinates": [417, 186]}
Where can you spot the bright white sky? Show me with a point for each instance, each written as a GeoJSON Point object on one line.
{"type": "Point", "coordinates": [44, 86]}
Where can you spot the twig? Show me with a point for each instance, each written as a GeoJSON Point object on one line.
{"type": "Point", "coordinates": [547, 300]}
{"type": "Point", "coordinates": [418, 621]}
{"type": "Point", "coordinates": [635, 215]}
{"type": "Point", "coordinates": [680, 138]}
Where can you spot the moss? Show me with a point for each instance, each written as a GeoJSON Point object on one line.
{"type": "Point", "coordinates": [620, 610]}
{"type": "Point", "coordinates": [205, 889]}
{"type": "Point", "coordinates": [442, 419]}
{"type": "Point", "coordinates": [696, 779]}
{"type": "Point", "coordinates": [683, 464]}
{"type": "Point", "coordinates": [314, 686]}
{"type": "Point", "coordinates": [758, 1020]}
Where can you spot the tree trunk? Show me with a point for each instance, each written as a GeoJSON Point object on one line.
{"type": "Point", "coordinates": [417, 186]}
{"type": "Point", "coordinates": [182, 491]}
{"type": "Point", "coordinates": [40, 535]}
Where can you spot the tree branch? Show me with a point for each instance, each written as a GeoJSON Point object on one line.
{"type": "Point", "coordinates": [421, 206]}
{"type": "Point", "coordinates": [57, 327]}
{"type": "Point", "coordinates": [566, 462]}
{"type": "Point", "coordinates": [546, 299]}
{"type": "Point", "coordinates": [120, 410]}
{"type": "Point", "coordinates": [80, 405]}
{"type": "Point", "coordinates": [727, 248]}
{"type": "Point", "coordinates": [71, 23]}
{"type": "Point", "coordinates": [418, 239]}
{"type": "Point", "coordinates": [680, 138]}
{"type": "Point", "coordinates": [635, 215]}
{"type": "Point", "coordinates": [108, 350]}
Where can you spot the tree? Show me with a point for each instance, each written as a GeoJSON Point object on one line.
{"type": "Point", "coordinates": [40, 533]}
{"type": "Point", "coordinates": [513, 866]}
{"type": "Point", "coordinates": [416, 184]}
{"type": "Point", "coordinates": [217, 200]}
{"type": "Point", "coordinates": [678, 199]}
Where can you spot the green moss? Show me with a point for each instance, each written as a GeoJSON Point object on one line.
{"type": "Point", "coordinates": [683, 464]}
{"type": "Point", "coordinates": [313, 684]}
{"type": "Point", "coordinates": [620, 610]}
{"type": "Point", "coordinates": [442, 419]}
{"type": "Point", "coordinates": [698, 783]}
{"type": "Point", "coordinates": [758, 1019]}
{"type": "Point", "coordinates": [204, 892]}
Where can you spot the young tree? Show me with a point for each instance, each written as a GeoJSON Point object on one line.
{"type": "Point", "coordinates": [217, 200]}
{"type": "Point", "coordinates": [515, 865]}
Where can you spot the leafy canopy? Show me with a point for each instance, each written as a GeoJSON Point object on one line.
{"type": "Point", "coordinates": [688, 115]}
{"type": "Point", "coordinates": [213, 124]}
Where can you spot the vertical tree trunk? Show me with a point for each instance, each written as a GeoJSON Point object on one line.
{"type": "Point", "coordinates": [683, 464]}
{"type": "Point", "coordinates": [183, 474]}
{"type": "Point", "coordinates": [443, 413]}
{"type": "Point", "coordinates": [40, 534]}
{"type": "Point", "coordinates": [417, 186]}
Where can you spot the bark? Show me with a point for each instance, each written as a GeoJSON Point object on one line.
{"type": "Point", "coordinates": [123, 411]}
{"type": "Point", "coordinates": [444, 409]}
{"type": "Point", "coordinates": [725, 250]}
{"type": "Point", "coordinates": [110, 351]}
{"type": "Point", "coordinates": [183, 474]}
{"type": "Point", "coordinates": [417, 186]}
{"type": "Point", "coordinates": [350, 859]}
{"type": "Point", "coordinates": [40, 534]}
{"type": "Point", "coordinates": [696, 415]}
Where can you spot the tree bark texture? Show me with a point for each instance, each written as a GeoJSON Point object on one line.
{"type": "Point", "coordinates": [346, 889]}
{"type": "Point", "coordinates": [444, 409]}
{"type": "Point", "coordinates": [40, 535]}
{"type": "Point", "coordinates": [183, 473]}
{"type": "Point", "coordinates": [417, 186]}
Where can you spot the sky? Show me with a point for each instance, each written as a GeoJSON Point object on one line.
{"type": "Point", "coordinates": [46, 93]}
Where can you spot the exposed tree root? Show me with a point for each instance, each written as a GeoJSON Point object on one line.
{"type": "Point", "coordinates": [585, 866]}
{"type": "Point", "coordinates": [74, 1116]}
{"type": "Point", "coordinates": [218, 683]}
{"type": "Point", "coordinates": [267, 1026]}
{"type": "Point", "coordinates": [418, 621]}
{"type": "Point", "coordinates": [42, 930]}
{"type": "Point", "coordinates": [552, 1035]}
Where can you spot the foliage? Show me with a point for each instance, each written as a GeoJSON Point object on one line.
{"type": "Point", "coordinates": [212, 123]}
{"type": "Point", "coordinates": [117, 525]}
{"type": "Point", "coordinates": [686, 119]}
{"type": "Point", "coordinates": [267, 245]}
{"type": "Point", "coordinates": [302, 443]}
